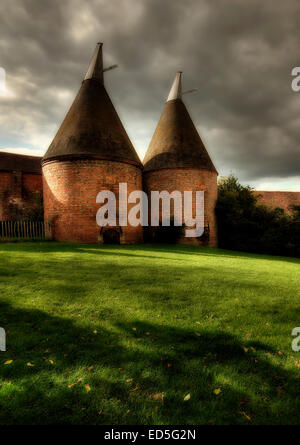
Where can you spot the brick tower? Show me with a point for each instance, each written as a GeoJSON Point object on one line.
{"type": "Point", "coordinates": [177, 160]}
{"type": "Point", "coordinates": [91, 152]}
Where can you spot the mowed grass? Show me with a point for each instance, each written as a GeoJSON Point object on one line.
{"type": "Point", "coordinates": [122, 334]}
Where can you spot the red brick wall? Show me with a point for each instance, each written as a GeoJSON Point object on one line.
{"type": "Point", "coordinates": [279, 199]}
{"type": "Point", "coordinates": [184, 179]}
{"type": "Point", "coordinates": [32, 182]}
{"type": "Point", "coordinates": [6, 182]}
{"type": "Point", "coordinates": [16, 189]}
{"type": "Point", "coordinates": [70, 190]}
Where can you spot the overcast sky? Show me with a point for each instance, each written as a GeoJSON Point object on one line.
{"type": "Point", "coordinates": [239, 54]}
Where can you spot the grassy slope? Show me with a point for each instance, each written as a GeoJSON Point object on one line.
{"type": "Point", "coordinates": [152, 307]}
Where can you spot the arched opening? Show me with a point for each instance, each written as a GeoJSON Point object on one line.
{"type": "Point", "coordinates": [111, 236]}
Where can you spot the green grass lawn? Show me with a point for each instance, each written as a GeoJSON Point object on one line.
{"type": "Point", "coordinates": [122, 334]}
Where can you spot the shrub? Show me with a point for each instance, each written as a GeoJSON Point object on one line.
{"type": "Point", "coordinates": [244, 224]}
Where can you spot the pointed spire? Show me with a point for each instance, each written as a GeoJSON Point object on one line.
{"type": "Point", "coordinates": [92, 128]}
{"type": "Point", "coordinates": [95, 70]}
{"type": "Point", "coordinates": [175, 92]}
{"type": "Point", "coordinates": [176, 142]}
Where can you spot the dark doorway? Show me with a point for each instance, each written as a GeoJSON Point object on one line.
{"type": "Point", "coordinates": [111, 236]}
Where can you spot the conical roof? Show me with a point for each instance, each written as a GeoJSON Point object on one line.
{"type": "Point", "coordinates": [92, 128]}
{"type": "Point", "coordinates": [176, 142]}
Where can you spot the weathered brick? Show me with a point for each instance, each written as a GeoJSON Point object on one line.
{"type": "Point", "coordinates": [70, 190]}
{"type": "Point", "coordinates": [279, 199]}
{"type": "Point", "coordinates": [184, 179]}
{"type": "Point", "coordinates": [17, 188]}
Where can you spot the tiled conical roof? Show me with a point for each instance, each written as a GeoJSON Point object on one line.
{"type": "Point", "coordinates": [92, 127]}
{"type": "Point", "coordinates": [176, 142]}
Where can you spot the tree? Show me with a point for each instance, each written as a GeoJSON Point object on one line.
{"type": "Point", "coordinates": [244, 224]}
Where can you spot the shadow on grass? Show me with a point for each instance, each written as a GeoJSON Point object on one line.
{"type": "Point", "coordinates": [139, 376]}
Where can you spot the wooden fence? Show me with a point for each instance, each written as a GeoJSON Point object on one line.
{"type": "Point", "coordinates": [24, 230]}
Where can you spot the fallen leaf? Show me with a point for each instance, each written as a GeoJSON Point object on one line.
{"type": "Point", "coordinates": [147, 333]}
{"type": "Point", "coordinates": [217, 391]}
{"type": "Point", "coordinates": [70, 385]}
{"type": "Point", "coordinates": [297, 364]}
{"type": "Point", "coordinates": [187, 397]}
{"type": "Point", "coordinates": [169, 365]}
{"type": "Point", "coordinates": [280, 353]}
{"type": "Point", "coordinates": [129, 380]}
{"type": "Point", "coordinates": [79, 380]}
{"type": "Point", "coordinates": [245, 349]}
{"type": "Point", "coordinates": [52, 362]}
{"type": "Point", "coordinates": [158, 396]}
{"type": "Point", "coordinates": [90, 368]}
{"type": "Point", "coordinates": [29, 364]}
{"type": "Point", "coordinates": [8, 362]}
{"type": "Point", "coordinates": [252, 349]}
{"type": "Point", "coordinates": [134, 389]}
{"type": "Point", "coordinates": [95, 331]}
{"type": "Point", "coordinates": [87, 387]}
{"type": "Point", "coordinates": [198, 322]}
{"type": "Point", "coordinates": [134, 329]}
{"type": "Point", "coordinates": [100, 412]}
{"type": "Point", "coordinates": [47, 350]}
{"type": "Point", "coordinates": [248, 416]}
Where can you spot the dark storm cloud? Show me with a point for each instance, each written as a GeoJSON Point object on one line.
{"type": "Point", "coordinates": [239, 54]}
